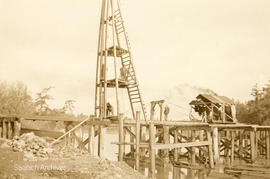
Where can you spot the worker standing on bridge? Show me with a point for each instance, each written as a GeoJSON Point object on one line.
{"type": "Point", "coordinates": [109, 111]}
{"type": "Point", "coordinates": [166, 112]}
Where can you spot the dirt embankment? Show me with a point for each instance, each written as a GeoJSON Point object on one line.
{"type": "Point", "coordinates": [21, 159]}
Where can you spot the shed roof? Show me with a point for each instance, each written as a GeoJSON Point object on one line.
{"type": "Point", "coordinates": [214, 99]}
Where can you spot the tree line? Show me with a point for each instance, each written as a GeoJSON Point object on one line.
{"type": "Point", "coordinates": [256, 110]}
{"type": "Point", "coordinates": [15, 99]}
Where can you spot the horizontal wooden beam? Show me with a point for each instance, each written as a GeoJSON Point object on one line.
{"type": "Point", "coordinates": [179, 145]}
{"type": "Point", "coordinates": [145, 145]}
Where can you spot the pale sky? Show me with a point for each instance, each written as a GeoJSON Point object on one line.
{"type": "Point", "coordinates": [222, 45]}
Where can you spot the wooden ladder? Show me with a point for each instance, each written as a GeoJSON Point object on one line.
{"type": "Point", "coordinates": [134, 93]}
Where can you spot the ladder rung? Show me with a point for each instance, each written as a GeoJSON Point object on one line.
{"type": "Point", "coordinates": [120, 28]}
{"type": "Point", "coordinates": [117, 15]}
{"type": "Point", "coordinates": [120, 32]}
{"type": "Point", "coordinates": [130, 70]}
{"type": "Point", "coordinates": [137, 94]}
{"type": "Point", "coordinates": [133, 86]}
{"type": "Point", "coordinates": [125, 62]}
{"type": "Point", "coordinates": [132, 91]}
{"type": "Point", "coordinates": [125, 57]}
{"type": "Point", "coordinates": [135, 101]}
{"type": "Point", "coordinates": [116, 12]}
{"type": "Point", "coordinates": [118, 24]}
{"type": "Point", "coordinates": [135, 98]}
{"type": "Point", "coordinates": [132, 79]}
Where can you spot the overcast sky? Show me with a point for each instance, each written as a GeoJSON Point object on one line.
{"type": "Point", "coordinates": [222, 45]}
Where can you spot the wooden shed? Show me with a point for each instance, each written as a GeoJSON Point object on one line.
{"type": "Point", "coordinates": [214, 108]}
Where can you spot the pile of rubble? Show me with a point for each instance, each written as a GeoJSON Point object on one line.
{"type": "Point", "coordinates": [31, 145]}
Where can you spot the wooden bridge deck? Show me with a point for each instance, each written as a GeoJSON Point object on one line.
{"type": "Point", "coordinates": [243, 141]}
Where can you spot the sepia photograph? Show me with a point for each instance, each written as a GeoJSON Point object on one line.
{"type": "Point", "coordinates": [121, 89]}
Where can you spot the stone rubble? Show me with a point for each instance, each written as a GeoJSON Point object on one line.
{"type": "Point", "coordinates": [31, 145]}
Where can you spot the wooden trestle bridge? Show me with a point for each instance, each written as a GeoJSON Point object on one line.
{"type": "Point", "coordinates": [152, 142]}
{"type": "Point", "coordinates": [158, 142]}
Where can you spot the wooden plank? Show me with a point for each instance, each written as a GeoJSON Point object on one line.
{"type": "Point", "coordinates": [181, 145]}
{"type": "Point", "coordinates": [71, 130]}
{"type": "Point", "coordinates": [50, 118]}
{"type": "Point", "coordinates": [138, 116]}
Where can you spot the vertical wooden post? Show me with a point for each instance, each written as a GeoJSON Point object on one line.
{"type": "Point", "coordinates": [175, 141]}
{"type": "Point", "coordinates": [1, 128]}
{"type": "Point", "coordinates": [215, 144]}
{"type": "Point", "coordinates": [143, 133]}
{"type": "Point", "coordinates": [176, 173]}
{"type": "Point", "coordinates": [152, 111]}
{"type": "Point", "coordinates": [267, 138]}
{"type": "Point", "coordinates": [233, 113]}
{"type": "Point", "coordinates": [227, 150]}
{"type": "Point", "coordinates": [69, 139]}
{"type": "Point", "coordinates": [256, 142]}
{"type": "Point", "coordinates": [4, 129]}
{"type": "Point", "coordinates": [166, 139]}
{"type": "Point", "coordinates": [210, 149]}
{"type": "Point", "coordinates": [132, 140]}
{"type": "Point", "coordinates": [17, 127]}
{"type": "Point", "coordinates": [232, 146]}
{"type": "Point", "coordinates": [121, 138]}
{"type": "Point", "coordinates": [9, 130]}
{"type": "Point", "coordinates": [91, 139]}
{"type": "Point", "coordinates": [211, 113]}
{"type": "Point", "coordinates": [161, 111]}
{"type": "Point", "coordinates": [201, 138]}
{"type": "Point", "coordinates": [115, 61]}
{"type": "Point", "coordinates": [252, 145]}
{"type": "Point", "coordinates": [101, 141]}
{"type": "Point", "coordinates": [80, 138]}
{"type": "Point", "coordinates": [223, 113]}
{"type": "Point", "coordinates": [152, 149]}
{"type": "Point", "coordinates": [193, 155]}
{"type": "Point", "coordinates": [138, 119]}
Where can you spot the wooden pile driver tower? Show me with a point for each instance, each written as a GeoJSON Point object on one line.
{"type": "Point", "coordinates": [114, 46]}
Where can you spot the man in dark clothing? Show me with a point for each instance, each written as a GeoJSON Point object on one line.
{"type": "Point", "coordinates": [109, 111]}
